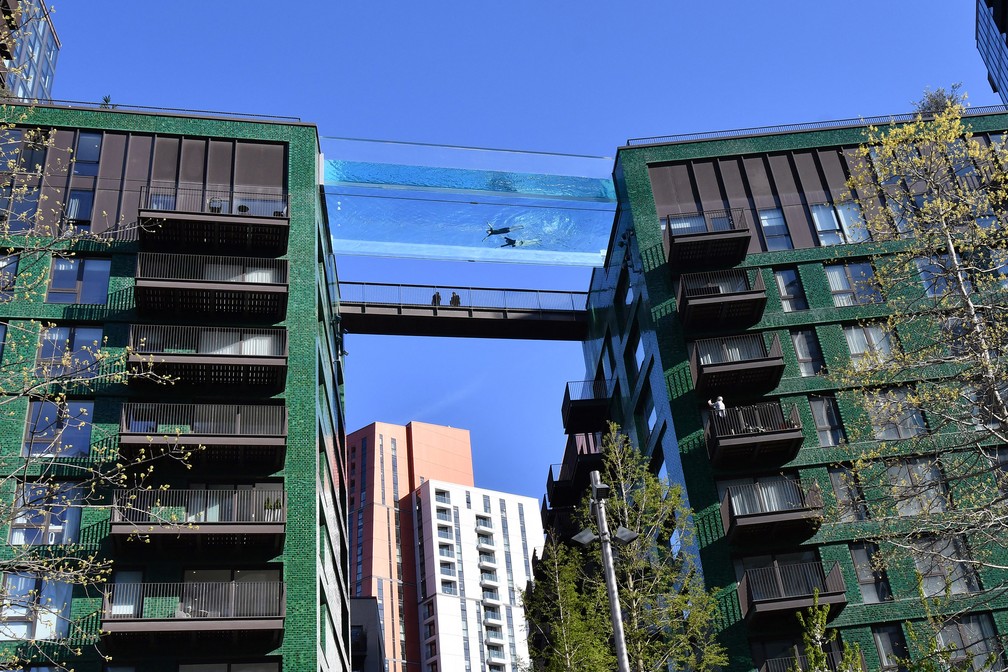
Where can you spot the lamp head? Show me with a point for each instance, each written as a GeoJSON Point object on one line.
{"type": "Point", "coordinates": [584, 537]}
{"type": "Point", "coordinates": [625, 536]}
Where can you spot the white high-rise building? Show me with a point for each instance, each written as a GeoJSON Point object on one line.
{"type": "Point", "coordinates": [474, 557]}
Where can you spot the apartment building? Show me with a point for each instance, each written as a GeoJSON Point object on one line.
{"type": "Point", "coordinates": [731, 273]}
{"type": "Point", "coordinates": [215, 273]}
{"type": "Point", "coordinates": [29, 47]}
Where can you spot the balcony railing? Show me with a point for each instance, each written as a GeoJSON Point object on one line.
{"type": "Point", "coordinates": [179, 508]}
{"type": "Point", "coordinates": [791, 663]}
{"type": "Point", "coordinates": [721, 299]}
{"type": "Point", "coordinates": [777, 590]}
{"type": "Point", "coordinates": [756, 434]}
{"type": "Point", "coordinates": [586, 405]}
{"type": "Point", "coordinates": [235, 436]}
{"type": "Point", "coordinates": [772, 508]}
{"type": "Point", "coordinates": [214, 200]}
{"type": "Point", "coordinates": [192, 606]}
{"type": "Point", "coordinates": [567, 480]}
{"type": "Point", "coordinates": [196, 284]}
{"type": "Point", "coordinates": [736, 363]}
{"type": "Point", "coordinates": [212, 355]}
{"type": "Point", "coordinates": [712, 239]}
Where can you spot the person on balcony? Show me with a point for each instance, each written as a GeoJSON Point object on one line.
{"type": "Point", "coordinates": [718, 406]}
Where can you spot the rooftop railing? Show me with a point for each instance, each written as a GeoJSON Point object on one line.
{"type": "Point", "coordinates": [214, 200]}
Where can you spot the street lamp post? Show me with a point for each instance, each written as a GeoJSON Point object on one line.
{"type": "Point", "coordinates": [599, 493]}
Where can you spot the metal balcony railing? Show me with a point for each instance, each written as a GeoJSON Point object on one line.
{"type": "Point", "coordinates": [789, 580]}
{"type": "Point", "coordinates": [588, 390]}
{"type": "Point", "coordinates": [223, 420]}
{"type": "Point", "coordinates": [215, 200]}
{"type": "Point", "coordinates": [207, 268]}
{"type": "Point", "coordinates": [767, 496]}
{"type": "Point", "coordinates": [152, 339]}
{"type": "Point", "coordinates": [578, 446]}
{"type": "Point", "coordinates": [719, 283]}
{"type": "Point", "coordinates": [762, 418]}
{"type": "Point", "coordinates": [709, 221]}
{"type": "Point", "coordinates": [791, 663]}
{"type": "Point", "coordinates": [199, 506]}
{"type": "Point", "coordinates": [734, 349]}
{"type": "Point", "coordinates": [202, 600]}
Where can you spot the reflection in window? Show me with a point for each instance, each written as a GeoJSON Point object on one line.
{"type": "Point", "coordinates": [69, 351]}
{"type": "Point", "coordinates": [791, 291]}
{"type": "Point", "coordinates": [873, 581]}
{"type": "Point", "coordinates": [775, 230]}
{"type": "Point", "coordinates": [918, 486]}
{"type": "Point", "coordinates": [34, 608]}
{"type": "Point", "coordinates": [8, 276]}
{"type": "Point", "coordinates": [893, 416]}
{"type": "Point", "coordinates": [891, 646]}
{"type": "Point", "coordinates": [972, 640]}
{"type": "Point", "coordinates": [852, 284]}
{"type": "Point", "coordinates": [839, 224]}
{"type": "Point", "coordinates": [46, 514]}
{"type": "Point", "coordinates": [827, 420]}
{"type": "Point", "coordinates": [868, 340]}
{"type": "Point", "coordinates": [59, 429]}
{"type": "Point", "coordinates": [810, 358]}
{"type": "Point", "coordinates": [945, 566]}
{"type": "Point", "coordinates": [79, 280]}
{"type": "Point", "coordinates": [850, 498]}
{"type": "Point", "coordinates": [87, 154]}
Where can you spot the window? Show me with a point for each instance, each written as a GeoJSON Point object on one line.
{"type": "Point", "coordinates": [827, 419]}
{"type": "Point", "coordinates": [68, 351]}
{"type": "Point", "coordinates": [8, 275]}
{"type": "Point", "coordinates": [78, 209]}
{"type": "Point", "coordinates": [62, 429]}
{"type": "Point", "coordinates": [851, 503]}
{"type": "Point", "coordinates": [79, 281]}
{"type": "Point", "coordinates": [775, 230]}
{"type": "Point", "coordinates": [839, 224]}
{"type": "Point", "coordinates": [935, 273]}
{"type": "Point", "coordinates": [444, 532]}
{"type": "Point", "coordinates": [445, 551]}
{"type": "Point", "coordinates": [891, 646]}
{"type": "Point", "coordinates": [449, 588]}
{"type": "Point", "coordinates": [810, 359]}
{"type": "Point", "coordinates": [871, 341]}
{"type": "Point", "coordinates": [917, 486]}
{"type": "Point", "coordinates": [87, 154]}
{"type": "Point", "coordinates": [893, 416]}
{"type": "Point", "coordinates": [791, 291]}
{"type": "Point", "coordinates": [46, 514]}
{"type": "Point", "coordinates": [873, 581]}
{"type": "Point", "coordinates": [34, 609]}
{"type": "Point", "coordinates": [945, 566]}
{"type": "Point", "coordinates": [972, 640]}
{"type": "Point", "coordinates": [447, 569]}
{"type": "Point", "coordinates": [444, 514]}
{"type": "Point", "coordinates": [852, 284]}
{"type": "Point", "coordinates": [19, 207]}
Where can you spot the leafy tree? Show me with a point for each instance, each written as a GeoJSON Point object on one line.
{"type": "Point", "coordinates": [935, 102]}
{"type": "Point", "coordinates": [567, 612]}
{"type": "Point", "coordinates": [57, 472]}
{"type": "Point", "coordinates": [817, 638]}
{"type": "Point", "coordinates": [668, 615]}
{"type": "Point", "coordinates": [931, 462]}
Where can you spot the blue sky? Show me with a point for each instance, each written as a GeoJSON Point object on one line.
{"type": "Point", "coordinates": [570, 77]}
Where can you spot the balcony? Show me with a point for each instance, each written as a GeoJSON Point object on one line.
{"type": "Point", "coordinates": [231, 435]}
{"type": "Point", "coordinates": [193, 518]}
{"type": "Point", "coordinates": [756, 435]}
{"type": "Point", "coordinates": [792, 663]}
{"type": "Point", "coordinates": [712, 239]}
{"type": "Point", "coordinates": [770, 595]}
{"type": "Point", "coordinates": [772, 509]}
{"type": "Point", "coordinates": [586, 405]}
{"type": "Point", "coordinates": [215, 218]}
{"type": "Point", "coordinates": [736, 364]}
{"type": "Point", "coordinates": [205, 613]}
{"type": "Point", "coordinates": [245, 357]}
{"type": "Point", "coordinates": [567, 481]}
{"type": "Point", "coordinates": [195, 284]}
{"type": "Point", "coordinates": [720, 299]}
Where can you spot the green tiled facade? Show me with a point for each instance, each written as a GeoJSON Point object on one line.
{"type": "Point", "coordinates": [311, 556]}
{"type": "Point", "coordinates": [635, 292]}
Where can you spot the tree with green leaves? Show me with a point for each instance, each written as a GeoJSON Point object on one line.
{"type": "Point", "coordinates": [668, 615]}
{"type": "Point", "coordinates": [929, 371]}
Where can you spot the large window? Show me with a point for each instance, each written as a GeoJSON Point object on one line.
{"type": "Point", "coordinates": [893, 416]}
{"type": "Point", "coordinates": [827, 419]}
{"type": "Point", "coordinates": [68, 351]}
{"type": "Point", "coordinates": [839, 224]}
{"type": "Point", "coordinates": [87, 154]}
{"type": "Point", "coordinates": [891, 646]}
{"type": "Point", "coordinates": [46, 514]}
{"type": "Point", "coordinates": [852, 284]}
{"type": "Point", "coordinates": [850, 497]}
{"type": "Point", "coordinates": [868, 340]}
{"type": "Point", "coordinates": [810, 358]}
{"type": "Point", "coordinates": [775, 230]}
{"type": "Point", "coordinates": [945, 566]}
{"type": "Point", "coordinates": [918, 486]}
{"type": "Point", "coordinates": [871, 578]}
{"type": "Point", "coordinates": [791, 291]}
{"type": "Point", "coordinates": [79, 281]}
{"type": "Point", "coordinates": [34, 609]}
{"type": "Point", "coordinates": [78, 209]}
{"type": "Point", "coordinates": [972, 639]}
{"type": "Point", "coordinates": [59, 429]}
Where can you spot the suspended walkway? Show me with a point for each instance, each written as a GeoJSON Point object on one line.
{"type": "Point", "coordinates": [474, 312]}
